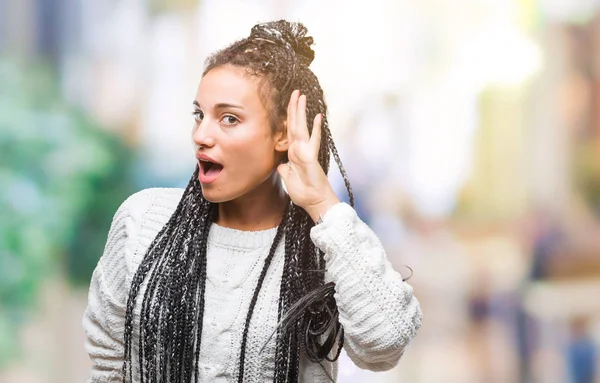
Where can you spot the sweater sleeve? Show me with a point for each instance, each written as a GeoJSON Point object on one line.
{"type": "Point", "coordinates": [377, 309]}
{"type": "Point", "coordinates": [104, 317]}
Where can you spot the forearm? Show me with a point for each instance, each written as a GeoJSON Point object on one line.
{"type": "Point", "coordinates": [377, 308]}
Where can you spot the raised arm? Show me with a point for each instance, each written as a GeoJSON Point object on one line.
{"type": "Point", "coordinates": [378, 311]}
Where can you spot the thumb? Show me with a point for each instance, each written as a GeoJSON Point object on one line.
{"type": "Point", "coordinates": [284, 171]}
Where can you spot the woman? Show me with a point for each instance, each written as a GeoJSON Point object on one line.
{"type": "Point", "coordinates": [232, 279]}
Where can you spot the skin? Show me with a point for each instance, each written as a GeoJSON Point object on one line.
{"type": "Point", "coordinates": [248, 190]}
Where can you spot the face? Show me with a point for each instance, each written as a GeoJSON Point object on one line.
{"type": "Point", "coordinates": [237, 151]}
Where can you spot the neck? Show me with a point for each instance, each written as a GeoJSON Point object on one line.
{"type": "Point", "coordinates": [259, 209]}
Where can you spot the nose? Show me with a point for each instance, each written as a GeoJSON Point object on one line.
{"type": "Point", "coordinates": [202, 134]}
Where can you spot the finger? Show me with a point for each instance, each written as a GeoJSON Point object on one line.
{"type": "Point", "coordinates": [301, 128]}
{"type": "Point", "coordinates": [291, 117]}
{"type": "Point", "coordinates": [291, 103]}
{"type": "Point", "coordinates": [315, 138]}
{"type": "Point", "coordinates": [284, 171]}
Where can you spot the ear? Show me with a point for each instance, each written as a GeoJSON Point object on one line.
{"type": "Point", "coordinates": [281, 138]}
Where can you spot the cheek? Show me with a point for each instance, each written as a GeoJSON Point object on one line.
{"type": "Point", "coordinates": [257, 158]}
{"type": "Point", "coordinates": [253, 163]}
{"type": "Point", "coordinates": [254, 151]}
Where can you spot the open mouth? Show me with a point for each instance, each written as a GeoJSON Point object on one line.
{"type": "Point", "coordinates": [209, 171]}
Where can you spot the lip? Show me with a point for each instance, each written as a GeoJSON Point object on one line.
{"type": "Point", "coordinates": [204, 157]}
{"type": "Point", "coordinates": [205, 178]}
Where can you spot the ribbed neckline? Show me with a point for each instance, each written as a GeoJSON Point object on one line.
{"type": "Point", "coordinates": [225, 236]}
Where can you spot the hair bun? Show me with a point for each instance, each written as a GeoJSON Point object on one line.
{"type": "Point", "coordinates": [292, 35]}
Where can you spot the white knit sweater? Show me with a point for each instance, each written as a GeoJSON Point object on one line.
{"type": "Point", "coordinates": [377, 309]}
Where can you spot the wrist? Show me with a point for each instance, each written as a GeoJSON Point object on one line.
{"type": "Point", "coordinates": [317, 211]}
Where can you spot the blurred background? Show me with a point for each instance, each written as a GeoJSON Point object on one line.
{"type": "Point", "coordinates": [470, 130]}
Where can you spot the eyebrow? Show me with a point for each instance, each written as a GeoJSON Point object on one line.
{"type": "Point", "coordinates": [222, 105]}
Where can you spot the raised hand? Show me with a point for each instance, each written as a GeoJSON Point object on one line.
{"type": "Point", "coordinates": [305, 180]}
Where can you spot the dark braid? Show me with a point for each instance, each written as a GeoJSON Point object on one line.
{"type": "Point", "coordinates": [176, 263]}
{"type": "Point", "coordinates": [174, 266]}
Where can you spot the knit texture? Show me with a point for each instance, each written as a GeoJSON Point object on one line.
{"type": "Point", "coordinates": [378, 311]}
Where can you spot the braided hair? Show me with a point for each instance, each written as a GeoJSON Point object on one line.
{"type": "Point", "coordinates": [174, 267]}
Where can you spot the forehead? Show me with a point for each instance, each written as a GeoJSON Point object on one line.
{"type": "Point", "coordinates": [229, 84]}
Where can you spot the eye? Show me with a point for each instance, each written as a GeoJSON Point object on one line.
{"type": "Point", "coordinates": [230, 120]}
{"type": "Point", "coordinates": [198, 115]}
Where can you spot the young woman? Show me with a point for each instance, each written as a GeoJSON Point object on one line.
{"type": "Point", "coordinates": [237, 278]}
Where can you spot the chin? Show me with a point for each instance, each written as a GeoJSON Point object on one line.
{"type": "Point", "coordinates": [215, 195]}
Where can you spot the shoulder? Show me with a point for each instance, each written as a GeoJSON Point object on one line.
{"type": "Point", "coordinates": [136, 222]}
{"type": "Point", "coordinates": [134, 225]}
{"type": "Point", "coordinates": [129, 219]}
{"type": "Point", "coordinates": [139, 203]}
{"type": "Point", "coordinates": [141, 216]}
